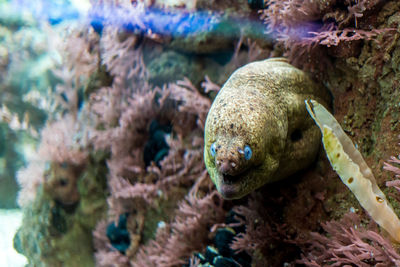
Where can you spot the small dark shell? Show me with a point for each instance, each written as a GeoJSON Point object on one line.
{"type": "Point", "coordinates": [211, 253]}
{"type": "Point", "coordinates": [119, 235]}
{"type": "Point", "coordinates": [223, 239]}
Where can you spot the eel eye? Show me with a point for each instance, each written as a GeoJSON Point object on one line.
{"type": "Point", "coordinates": [213, 150]}
{"type": "Point", "coordinates": [247, 152]}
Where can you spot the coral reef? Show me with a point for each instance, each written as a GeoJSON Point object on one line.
{"type": "Point", "coordinates": [114, 131]}
{"type": "Point", "coordinates": [119, 178]}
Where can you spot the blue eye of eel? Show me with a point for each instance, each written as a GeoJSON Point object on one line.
{"type": "Point", "coordinates": [247, 152]}
{"type": "Point", "coordinates": [212, 150]}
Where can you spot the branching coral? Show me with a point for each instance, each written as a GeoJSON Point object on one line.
{"type": "Point", "coordinates": [113, 123]}
{"type": "Point", "coordinates": [128, 70]}
{"type": "Point", "coordinates": [131, 184]}
{"type": "Point", "coordinates": [122, 114]}
{"type": "Point", "coordinates": [62, 143]}
{"type": "Point", "coordinates": [333, 37]}
{"type": "Point", "coordinates": [126, 142]}
{"type": "Point", "coordinates": [174, 242]}
{"type": "Point", "coordinates": [296, 19]}
{"type": "Point", "coordinates": [189, 232]}
{"type": "Point", "coordinates": [392, 166]}
{"type": "Point", "coordinates": [306, 28]}
{"type": "Point", "coordinates": [261, 232]}
{"type": "Point", "coordinates": [349, 242]}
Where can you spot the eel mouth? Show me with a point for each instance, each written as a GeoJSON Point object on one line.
{"type": "Point", "coordinates": [235, 186]}
{"type": "Point", "coordinates": [230, 179]}
{"type": "Point", "coordinates": [230, 186]}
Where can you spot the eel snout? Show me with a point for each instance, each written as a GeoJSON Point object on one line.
{"type": "Point", "coordinates": [227, 166]}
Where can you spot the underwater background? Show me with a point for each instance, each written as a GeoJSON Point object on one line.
{"type": "Point", "coordinates": [102, 120]}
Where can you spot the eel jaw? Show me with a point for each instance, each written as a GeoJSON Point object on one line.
{"type": "Point", "coordinates": [231, 186]}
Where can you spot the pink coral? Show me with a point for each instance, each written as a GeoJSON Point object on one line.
{"type": "Point", "coordinates": [127, 174]}
{"type": "Point", "coordinates": [348, 242]}
{"type": "Point", "coordinates": [194, 103]}
{"type": "Point", "coordinates": [333, 37]}
{"type": "Point", "coordinates": [305, 28]}
{"type": "Point", "coordinates": [175, 241]}
{"type": "Point", "coordinates": [132, 185]}
{"type": "Point", "coordinates": [123, 59]}
{"type": "Point", "coordinates": [189, 232]}
{"type": "Point", "coordinates": [262, 231]}
{"type": "Point", "coordinates": [63, 141]}
{"type": "Point", "coordinates": [393, 167]}
{"type": "Point", "coordinates": [294, 20]}
{"type": "Point", "coordinates": [122, 114]}
{"type": "Point", "coordinates": [29, 179]}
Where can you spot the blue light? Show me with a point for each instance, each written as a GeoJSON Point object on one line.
{"type": "Point", "coordinates": [140, 20]}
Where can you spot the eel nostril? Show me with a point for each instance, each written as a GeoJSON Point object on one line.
{"type": "Point", "coordinates": [227, 166]}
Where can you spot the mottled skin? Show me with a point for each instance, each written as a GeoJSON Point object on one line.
{"type": "Point", "coordinates": [262, 106]}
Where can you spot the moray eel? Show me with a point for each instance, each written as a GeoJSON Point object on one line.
{"type": "Point", "coordinates": [258, 130]}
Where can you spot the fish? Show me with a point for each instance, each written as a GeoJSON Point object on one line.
{"type": "Point", "coordinates": [258, 130]}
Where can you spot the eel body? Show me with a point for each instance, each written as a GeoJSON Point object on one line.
{"type": "Point", "coordinates": [258, 130]}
